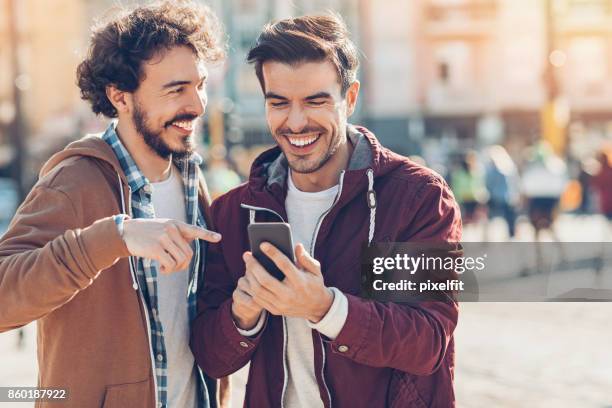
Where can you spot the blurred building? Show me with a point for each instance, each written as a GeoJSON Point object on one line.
{"type": "Point", "coordinates": [50, 36]}
{"type": "Point", "coordinates": [243, 101]}
{"type": "Point", "coordinates": [460, 71]}
{"type": "Point", "coordinates": [466, 70]}
{"type": "Point", "coordinates": [49, 40]}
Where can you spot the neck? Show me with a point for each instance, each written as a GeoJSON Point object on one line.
{"type": "Point", "coordinates": [154, 167]}
{"type": "Point", "coordinates": [327, 176]}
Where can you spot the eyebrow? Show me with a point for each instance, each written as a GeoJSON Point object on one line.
{"type": "Point", "coordinates": [175, 83]}
{"type": "Point", "coordinates": [272, 95]}
{"type": "Point", "coordinates": [318, 95]}
{"type": "Point", "coordinates": [180, 82]}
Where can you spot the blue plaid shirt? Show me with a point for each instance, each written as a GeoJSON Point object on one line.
{"type": "Point", "coordinates": [147, 270]}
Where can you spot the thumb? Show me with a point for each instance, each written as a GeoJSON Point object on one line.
{"type": "Point", "coordinates": [307, 262]}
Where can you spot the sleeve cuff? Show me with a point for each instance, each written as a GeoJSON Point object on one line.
{"type": "Point", "coordinates": [119, 219]}
{"type": "Point", "coordinates": [255, 330]}
{"type": "Point", "coordinates": [103, 256]}
{"type": "Point", "coordinates": [332, 323]}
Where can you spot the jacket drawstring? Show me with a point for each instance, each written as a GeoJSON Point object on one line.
{"type": "Point", "coordinates": [132, 273]}
{"type": "Point", "coordinates": [194, 215]}
{"type": "Point", "coordinates": [371, 197]}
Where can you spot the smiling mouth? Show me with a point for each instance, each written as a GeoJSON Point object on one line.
{"type": "Point", "coordinates": [184, 124]}
{"type": "Point", "coordinates": [302, 141]}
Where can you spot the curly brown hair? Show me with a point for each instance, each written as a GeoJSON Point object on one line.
{"type": "Point", "coordinates": [118, 48]}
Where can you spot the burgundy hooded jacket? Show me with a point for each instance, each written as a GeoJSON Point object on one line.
{"type": "Point", "coordinates": [387, 354]}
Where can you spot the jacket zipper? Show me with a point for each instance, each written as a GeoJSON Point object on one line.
{"type": "Point", "coordinates": [313, 241]}
{"type": "Point", "coordinates": [252, 207]}
{"type": "Point", "coordinates": [146, 312]}
{"type": "Point", "coordinates": [322, 217]}
{"type": "Point", "coordinates": [194, 279]}
{"type": "Point", "coordinates": [285, 369]}
{"type": "Point", "coordinates": [312, 249]}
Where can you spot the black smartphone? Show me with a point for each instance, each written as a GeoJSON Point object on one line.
{"type": "Point", "coordinates": [277, 234]}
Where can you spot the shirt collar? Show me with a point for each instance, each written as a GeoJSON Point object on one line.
{"type": "Point", "coordinates": [136, 179]}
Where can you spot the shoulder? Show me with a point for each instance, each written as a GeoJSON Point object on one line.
{"type": "Point", "coordinates": [419, 180]}
{"type": "Point", "coordinates": [228, 204]}
{"type": "Point", "coordinates": [87, 182]}
{"type": "Point", "coordinates": [75, 172]}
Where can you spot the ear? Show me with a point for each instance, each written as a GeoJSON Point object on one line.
{"type": "Point", "coordinates": [351, 97]}
{"type": "Point", "coordinates": [121, 100]}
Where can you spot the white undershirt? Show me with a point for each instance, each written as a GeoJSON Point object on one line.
{"type": "Point", "coordinates": [304, 210]}
{"type": "Point", "coordinates": [169, 202]}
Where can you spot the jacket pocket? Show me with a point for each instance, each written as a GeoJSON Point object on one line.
{"type": "Point", "coordinates": [127, 395]}
{"type": "Point", "coordinates": [403, 392]}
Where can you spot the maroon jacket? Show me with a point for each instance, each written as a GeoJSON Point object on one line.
{"type": "Point", "coordinates": [387, 354]}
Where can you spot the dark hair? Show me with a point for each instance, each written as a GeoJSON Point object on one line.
{"type": "Point", "coordinates": [118, 49]}
{"type": "Point", "coordinates": [307, 38]}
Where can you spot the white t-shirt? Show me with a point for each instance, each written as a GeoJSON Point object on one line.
{"type": "Point", "coordinates": [169, 202]}
{"type": "Point", "coordinates": [304, 211]}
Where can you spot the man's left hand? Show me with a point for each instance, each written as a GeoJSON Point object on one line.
{"type": "Point", "coordinates": [301, 294]}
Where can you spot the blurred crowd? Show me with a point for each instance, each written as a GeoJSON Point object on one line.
{"type": "Point", "coordinates": [539, 184]}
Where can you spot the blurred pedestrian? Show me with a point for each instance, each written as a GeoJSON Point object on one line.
{"type": "Point", "coordinates": [502, 183]}
{"type": "Point", "coordinates": [543, 182]}
{"type": "Point", "coordinates": [602, 182]}
{"type": "Point", "coordinates": [467, 180]}
{"type": "Point", "coordinates": [585, 180]}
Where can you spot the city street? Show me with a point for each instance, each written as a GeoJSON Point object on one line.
{"type": "Point", "coordinates": [508, 354]}
{"type": "Point", "coordinates": [508, 101]}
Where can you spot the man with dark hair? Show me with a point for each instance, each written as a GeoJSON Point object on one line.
{"type": "Point", "coordinates": [310, 339]}
{"type": "Point", "coordinates": [106, 252]}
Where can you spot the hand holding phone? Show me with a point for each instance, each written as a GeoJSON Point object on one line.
{"type": "Point", "coordinates": [300, 290]}
{"type": "Point", "coordinates": [277, 234]}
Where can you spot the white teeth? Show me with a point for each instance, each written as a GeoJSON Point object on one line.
{"type": "Point", "coordinates": [184, 125]}
{"type": "Point", "coordinates": [302, 141]}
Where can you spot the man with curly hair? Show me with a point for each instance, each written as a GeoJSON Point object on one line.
{"type": "Point", "coordinates": [107, 251]}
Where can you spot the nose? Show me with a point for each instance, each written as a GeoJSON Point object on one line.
{"type": "Point", "coordinates": [297, 120]}
{"type": "Point", "coordinates": [199, 104]}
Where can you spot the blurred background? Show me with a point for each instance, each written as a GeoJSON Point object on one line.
{"type": "Point", "coordinates": [510, 100]}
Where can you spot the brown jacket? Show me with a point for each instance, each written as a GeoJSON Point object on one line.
{"type": "Point", "coordinates": [63, 264]}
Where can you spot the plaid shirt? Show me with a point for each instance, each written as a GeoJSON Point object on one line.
{"type": "Point", "coordinates": [147, 270]}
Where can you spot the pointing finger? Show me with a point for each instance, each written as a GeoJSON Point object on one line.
{"type": "Point", "coordinates": [192, 232]}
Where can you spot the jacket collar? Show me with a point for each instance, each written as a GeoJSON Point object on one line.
{"type": "Point", "coordinates": [267, 185]}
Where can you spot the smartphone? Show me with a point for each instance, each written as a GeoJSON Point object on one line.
{"type": "Point", "coordinates": [277, 234]}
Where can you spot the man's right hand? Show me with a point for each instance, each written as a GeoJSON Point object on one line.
{"type": "Point", "coordinates": [164, 240]}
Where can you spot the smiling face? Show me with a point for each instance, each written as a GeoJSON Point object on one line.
{"type": "Point", "coordinates": [169, 100]}
{"type": "Point", "coordinates": [306, 112]}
